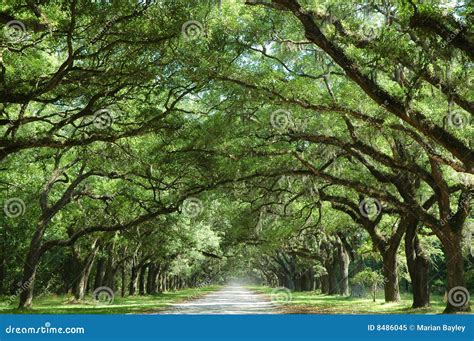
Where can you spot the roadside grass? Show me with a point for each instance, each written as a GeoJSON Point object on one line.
{"type": "Point", "coordinates": [312, 302]}
{"type": "Point", "coordinates": [53, 304]}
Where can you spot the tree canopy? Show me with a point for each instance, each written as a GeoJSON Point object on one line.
{"type": "Point", "coordinates": [301, 143]}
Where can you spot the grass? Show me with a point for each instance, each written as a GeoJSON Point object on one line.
{"type": "Point", "coordinates": [300, 303]}
{"type": "Point", "coordinates": [315, 303]}
{"type": "Point", "coordinates": [53, 304]}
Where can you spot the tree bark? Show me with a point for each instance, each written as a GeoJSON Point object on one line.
{"type": "Point", "coordinates": [3, 251]}
{"type": "Point", "coordinates": [418, 265]}
{"type": "Point", "coordinates": [100, 273]}
{"type": "Point", "coordinates": [455, 267]}
{"type": "Point", "coordinates": [29, 275]}
{"type": "Point", "coordinates": [141, 279]}
{"type": "Point", "coordinates": [29, 269]}
{"type": "Point", "coordinates": [109, 277]}
{"type": "Point", "coordinates": [324, 284]}
{"type": "Point", "coordinates": [388, 250]}
{"type": "Point", "coordinates": [124, 280]}
{"type": "Point", "coordinates": [151, 278]}
{"type": "Point", "coordinates": [133, 286]}
{"type": "Point", "coordinates": [391, 287]}
{"type": "Point", "coordinates": [344, 261]}
{"type": "Point", "coordinates": [307, 280]}
{"type": "Point", "coordinates": [81, 283]}
{"type": "Point", "coordinates": [164, 285]}
{"type": "Point", "coordinates": [332, 269]}
{"type": "Point", "coordinates": [155, 286]}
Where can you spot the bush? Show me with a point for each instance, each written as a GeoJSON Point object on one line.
{"type": "Point", "coordinates": [370, 278]}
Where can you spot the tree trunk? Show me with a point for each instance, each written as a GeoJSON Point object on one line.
{"type": "Point", "coordinates": [160, 282]}
{"type": "Point", "coordinates": [109, 278]}
{"type": "Point", "coordinates": [307, 280]}
{"type": "Point", "coordinates": [458, 296]}
{"type": "Point", "coordinates": [344, 261]}
{"type": "Point", "coordinates": [141, 279]}
{"type": "Point", "coordinates": [332, 270]}
{"type": "Point", "coordinates": [391, 289]}
{"type": "Point", "coordinates": [155, 282]}
{"type": "Point", "coordinates": [81, 283]}
{"type": "Point", "coordinates": [100, 273]}
{"type": "Point", "coordinates": [418, 266]}
{"type": "Point", "coordinates": [124, 281]}
{"type": "Point", "coordinates": [151, 279]}
{"type": "Point", "coordinates": [133, 286]}
{"type": "Point", "coordinates": [173, 283]}
{"type": "Point", "coordinates": [163, 282]}
{"type": "Point", "coordinates": [29, 274]}
{"type": "Point", "coordinates": [29, 269]}
{"type": "Point", "coordinates": [2, 264]}
{"type": "Point", "coordinates": [149, 276]}
{"type": "Point", "coordinates": [324, 284]}
{"type": "Point", "coordinates": [298, 280]}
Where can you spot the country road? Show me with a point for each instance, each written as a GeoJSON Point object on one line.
{"type": "Point", "coordinates": [231, 299]}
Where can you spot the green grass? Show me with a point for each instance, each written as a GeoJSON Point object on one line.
{"type": "Point", "coordinates": [315, 303]}
{"type": "Point", "coordinates": [300, 303]}
{"type": "Point", "coordinates": [52, 304]}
